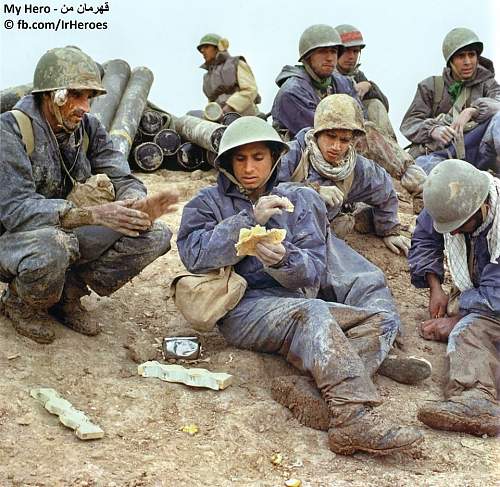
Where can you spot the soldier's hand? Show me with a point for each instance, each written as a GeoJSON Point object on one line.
{"type": "Point", "coordinates": [331, 195]}
{"type": "Point", "coordinates": [465, 116]}
{"type": "Point", "coordinates": [158, 204]}
{"type": "Point", "coordinates": [121, 217]}
{"type": "Point", "coordinates": [438, 302]}
{"type": "Point", "coordinates": [362, 88]}
{"type": "Point", "coordinates": [270, 253]}
{"type": "Point", "coordinates": [443, 134]}
{"type": "Point", "coordinates": [395, 243]}
{"type": "Point", "coordinates": [266, 207]}
{"type": "Point", "coordinates": [438, 329]}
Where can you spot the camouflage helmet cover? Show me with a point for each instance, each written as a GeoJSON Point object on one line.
{"type": "Point", "coordinates": [67, 68]}
{"type": "Point", "coordinates": [459, 38]}
{"type": "Point", "coordinates": [209, 39]}
{"type": "Point", "coordinates": [316, 36]}
{"type": "Point", "coordinates": [350, 36]}
{"type": "Point", "coordinates": [453, 192]}
{"type": "Point", "coordinates": [339, 112]}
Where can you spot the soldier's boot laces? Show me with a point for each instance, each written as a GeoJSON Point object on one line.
{"type": "Point", "coordinates": [406, 370]}
{"type": "Point", "coordinates": [364, 430]}
{"type": "Point", "coordinates": [71, 312]}
{"type": "Point", "coordinates": [28, 321]}
{"type": "Point", "coordinates": [473, 415]}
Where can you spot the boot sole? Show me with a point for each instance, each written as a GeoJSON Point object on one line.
{"type": "Point", "coordinates": [300, 395]}
{"type": "Point", "coordinates": [351, 449]}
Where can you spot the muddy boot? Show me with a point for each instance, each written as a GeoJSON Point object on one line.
{"type": "Point", "coordinates": [359, 428]}
{"type": "Point", "coordinates": [474, 415]}
{"type": "Point", "coordinates": [30, 322]}
{"type": "Point", "coordinates": [302, 397]}
{"type": "Point", "coordinates": [407, 370]}
{"type": "Point", "coordinates": [70, 311]}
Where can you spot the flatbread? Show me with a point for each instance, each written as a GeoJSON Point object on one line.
{"type": "Point", "coordinates": [250, 237]}
{"type": "Point", "coordinates": [289, 205]}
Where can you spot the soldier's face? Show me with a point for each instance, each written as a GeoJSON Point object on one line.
{"type": "Point", "coordinates": [323, 61]}
{"type": "Point", "coordinates": [471, 225]}
{"type": "Point", "coordinates": [76, 106]}
{"type": "Point", "coordinates": [208, 52]}
{"type": "Point", "coordinates": [465, 64]}
{"type": "Point", "coordinates": [349, 58]}
{"type": "Point", "coordinates": [252, 164]}
{"type": "Point", "coordinates": [334, 144]}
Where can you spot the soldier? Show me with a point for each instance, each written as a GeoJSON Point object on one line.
{"type": "Point", "coordinates": [374, 101]}
{"type": "Point", "coordinates": [303, 87]}
{"type": "Point", "coordinates": [53, 245]}
{"type": "Point", "coordinates": [457, 114]}
{"type": "Point", "coordinates": [229, 81]}
{"type": "Point", "coordinates": [275, 314]}
{"type": "Point", "coordinates": [461, 220]}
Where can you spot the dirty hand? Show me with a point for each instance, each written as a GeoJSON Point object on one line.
{"type": "Point", "coordinates": [121, 217]}
{"type": "Point", "coordinates": [158, 204]}
{"type": "Point", "coordinates": [331, 195]}
{"type": "Point", "coordinates": [396, 242]}
{"type": "Point", "coordinates": [362, 88]}
{"type": "Point", "coordinates": [465, 116]}
{"type": "Point", "coordinates": [438, 302]}
{"type": "Point", "coordinates": [438, 329]}
{"type": "Point", "coordinates": [266, 207]}
{"type": "Point", "coordinates": [270, 253]}
{"type": "Point", "coordinates": [443, 134]}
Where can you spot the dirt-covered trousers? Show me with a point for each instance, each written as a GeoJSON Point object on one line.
{"type": "Point", "coordinates": [36, 261]}
{"type": "Point", "coordinates": [377, 113]}
{"type": "Point", "coordinates": [473, 356]}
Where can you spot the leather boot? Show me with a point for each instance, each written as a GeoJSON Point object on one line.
{"type": "Point", "coordinates": [30, 322]}
{"type": "Point", "coordinates": [406, 370]}
{"type": "Point", "coordinates": [70, 311]}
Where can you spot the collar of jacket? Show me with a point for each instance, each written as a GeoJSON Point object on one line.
{"type": "Point", "coordinates": [482, 75]}
{"type": "Point", "coordinates": [220, 58]}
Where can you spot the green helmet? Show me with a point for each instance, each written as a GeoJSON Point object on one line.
{"type": "Point", "coordinates": [210, 39]}
{"type": "Point", "coordinates": [67, 67]}
{"type": "Point", "coordinates": [350, 36]}
{"type": "Point", "coordinates": [319, 35]}
{"type": "Point", "coordinates": [458, 38]}
{"type": "Point", "coordinates": [246, 130]}
{"type": "Point", "coordinates": [339, 112]}
{"type": "Point", "coordinates": [453, 192]}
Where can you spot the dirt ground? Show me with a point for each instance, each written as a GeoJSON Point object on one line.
{"type": "Point", "coordinates": [240, 428]}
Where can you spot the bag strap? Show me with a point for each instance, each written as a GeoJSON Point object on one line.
{"type": "Point", "coordinates": [438, 93]}
{"type": "Point", "coordinates": [26, 129]}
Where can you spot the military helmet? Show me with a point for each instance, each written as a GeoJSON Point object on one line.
{"type": "Point", "coordinates": [67, 68]}
{"type": "Point", "coordinates": [315, 36]}
{"type": "Point", "coordinates": [246, 130]}
{"type": "Point", "coordinates": [339, 112]}
{"type": "Point", "coordinates": [458, 38]}
{"type": "Point", "coordinates": [350, 36]}
{"type": "Point", "coordinates": [453, 192]}
{"type": "Point", "coordinates": [210, 39]}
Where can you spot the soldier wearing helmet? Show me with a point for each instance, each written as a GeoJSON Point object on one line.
{"type": "Point", "coordinates": [55, 242]}
{"type": "Point", "coordinates": [461, 220]}
{"type": "Point", "coordinates": [228, 81]}
{"type": "Point", "coordinates": [277, 313]}
{"type": "Point", "coordinates": [457, 113]}
{"type": "Point", "coordinates": [375, 102]}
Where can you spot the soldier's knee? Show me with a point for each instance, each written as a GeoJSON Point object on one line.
{"type": "Point", "coordinates": [160, 237]}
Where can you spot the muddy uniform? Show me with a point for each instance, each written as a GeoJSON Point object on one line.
{"type": "Point", "coordinates": [368, 183]}
{"type": "Point", "coordinates": [482, 143]}
{"type": "Point", "coordinates": [35, 252]}
{"type": "Point", "coordinates": [340, 345]}
{"type": "Point", "coordinates": [472, 351]}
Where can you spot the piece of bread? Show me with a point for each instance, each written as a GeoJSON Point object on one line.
{"type": "Point", "coordinates": [289, 205]}
{"type": "Point", "coordinates": [250, 237]}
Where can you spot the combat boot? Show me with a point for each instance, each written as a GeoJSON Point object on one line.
{"type": "Point", "coordinates": [69, 310]}
{"type": "Point", "coordinates": [30, 322]}
{"type": "Point", "coordinates": [474, 415]}
{"type": "Point", "coordinates": [406, 370]}
{"type": "Point", "coordinates": [359, 428]}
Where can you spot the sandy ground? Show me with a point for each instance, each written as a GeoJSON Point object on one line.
{"type": "Point", "coordinates": [240, 428]}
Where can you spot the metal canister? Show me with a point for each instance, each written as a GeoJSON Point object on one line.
{"type": "Point", "coordinates": [186, 348]}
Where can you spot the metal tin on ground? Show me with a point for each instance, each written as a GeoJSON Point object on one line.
{"type": "Point", "coordinates": [186, 348]}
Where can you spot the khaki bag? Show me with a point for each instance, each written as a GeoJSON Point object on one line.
{"type": "Point", "coordinates": [203, 299]}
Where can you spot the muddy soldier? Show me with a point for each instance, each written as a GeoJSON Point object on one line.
{"type": "Point", "coordinates": [275, 314]}
{"type": "Point", "coordinates": [374, 101]}
{"type": "Point", "coordinates": [54, 246]}
{"type": "Point", "coordinates": [457, 114]}
{"type": "Point", "coordinates": [303, 87]}
{"type": "Point", "coordinates": [229, 81]}
{"type": "Point", "coordinates": [461, 220]}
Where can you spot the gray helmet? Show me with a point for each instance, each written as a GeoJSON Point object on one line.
{"type": "Point", "coordinates": [350, 36]}
{"type": "Point", "coordinates": [209, 39]}
{"type": "Point", "coordinates": [458, 38]}
{"type": "Point", "coordinates": [339, 112]}
{"type": "Point", "coordinates": [67, 68]}
{"type": "Point", "coordinates": [319, 35]}
{"type": "Point", "coordinates": [453, 192]}
{"type": "Point", "coordinates": [246, 130]}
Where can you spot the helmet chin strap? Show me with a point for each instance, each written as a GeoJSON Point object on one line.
{"type": "Point", "coordinates": [59, 99]}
